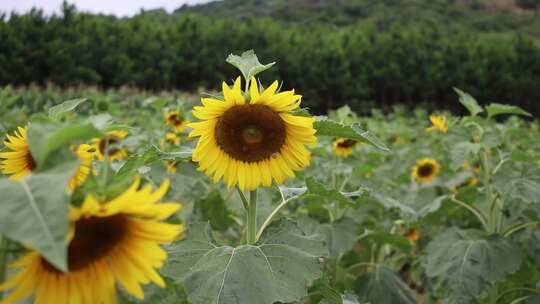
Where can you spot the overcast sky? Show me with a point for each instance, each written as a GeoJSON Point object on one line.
{"type": "Point", "coordinates": [117, 7]}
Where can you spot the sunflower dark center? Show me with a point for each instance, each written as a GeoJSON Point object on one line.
{"type": "Point", "coordinates": [348, 143]}
{"type": "Point", "coordinates": [250, 133]}
{"type": "Point", "coordinates": [425, 170]}
{"type": "Point", "coordinates": [110, 144]}
{"type": "Point", "coordinates": [30, 162]}
{"type": "Point", "coordinates": [175, 119]}
{"type": "Point", "coordinates": [95, 237]}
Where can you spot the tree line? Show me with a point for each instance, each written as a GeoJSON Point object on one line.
{"type": "Point", "coordinates": [368, 65]}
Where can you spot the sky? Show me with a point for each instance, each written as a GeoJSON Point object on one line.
{"type": "Point", "coordinates": [117, 7]}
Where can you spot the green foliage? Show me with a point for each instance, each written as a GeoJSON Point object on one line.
{"type": "Point", "coordinates": [214, 210]}
{"type": "Point", "coordinates": [469, 102]}
{"type": "Point", "coordinates": [391, 57]}
{"type": "Point", "coordinates": [248, 64]}
{"type": "Point", "coordinates": [35, 212]}
{"type": "Point", "coordinates": [44, 138]}
{"type": "Point", "coordinates": [383, 286]}
{"type": "Point", "coordinates": [468, 263]}
{"type": "Point", "coordinates": [326, 127]}
{"type": "Point", "coordinates": [285, 261]}
{"type": "Point", "coordinates": [498, 109]}
{"type": "Point", "coordinates": [67, 106]}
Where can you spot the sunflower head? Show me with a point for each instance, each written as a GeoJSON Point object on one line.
{"type": "Point", "coordinates": [250, 141]}
{"type": "Point", "coordinates": [112, 242]}
{"type": "Point", "coordinates": [439, 123]}
{"type": "Point", "coordinates": [413, 235]}
{"type": "Point", "coordinates": [473, 181]}
{"type": "Point", "coordinates": [17, 161]}
{"type": "Point", "coordinates": [170, 139]}
{"type": "Point", "coordinates": [86, 154]}
{"type": "Point", "coordinates": [425, 170]}
{"type": "Point", "coordinates": [175, 120]}
{"type": "Point", "coordinates": [398, 140]}
{"type": "Point", "coordinates": [344, 147]}
{"type": "Point", "coordinates": [110, 145]}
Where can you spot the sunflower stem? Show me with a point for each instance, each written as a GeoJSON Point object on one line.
{"type": "Point", "coordinates": [251, 234]}
{"type": "Point", "coordinates": [474, 211]}
{"type": "Point", "coordinates": [4, 244]}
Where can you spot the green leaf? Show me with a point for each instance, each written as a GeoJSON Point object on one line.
{"type": "Point", "coordinates": [522, 184]}
{"type": "Point", "coordinates": [279, 268]}
{"type": "Point", "coordinates": [498, 109]}
{"type": "Point", "coordinates": [466, 264]}
{"type": "Point", "coordinates": [340, 235]}
{"type": "Point", "coordinates": [214, 209]}
{"type": "Point", "coordinates": [469, 102]}
{"type": "Point", "coordinates": [172, 293]}
{"type": "Point", "coordinates": [383, 286]}
{"type": "Point", "coordinates": [35, 212]}
{"type": "Point", "coordinates": [383, 238]}
{"type": "Point", "coordinates": [318, 191]}
{"type": "Point", "coordinates": [135, 162]}
{"type": "Point", "coordinates": [326, 127]}
{"type": "Point", "coordinates": [56, 112]}
{"type": "Point", "coordinates": [148, 157]}
{"type": "Point", "coordinates": [463, 151]}
{"type": "Point", "coordinates": [248, 64]}
{"type": "Point", "coordinates": [346, 298]}
{"type": "Point", "coordinates": [45, 138]}
{"type": "Point", "coordinates": [175, 155]}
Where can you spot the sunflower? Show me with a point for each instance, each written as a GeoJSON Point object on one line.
{"type": "Point", "coordinates": [413, 235]}
{"type": "Point", "coordinates": [19, 161]}
{"type": "Point", "coordinates": [175, 120]}
{"type": "Point", "coordinates": [85, 153]}
{"type": "Point", "coordinates": [110, 145]}
{"type": "Point", "coordinates": [249, 143]}
{"type": "Point", "coordinates": [439, 123]}
{"type": "Point", "coordinates": [343, 147]}
{"type": "Point", "coordinates": [171, 166]}
{"type": "Point", "coordinates": [117, 241]}
{"type": "Point", "coordinates": [425, 170]}
{"type": "Point", "coordinates": [171, 139]}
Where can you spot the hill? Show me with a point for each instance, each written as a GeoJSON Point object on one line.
{"type": "Point", "coordinates": [477, 15]}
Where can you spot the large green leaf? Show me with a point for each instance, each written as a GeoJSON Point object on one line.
{"type": "Point", "coordinates": [498, 109]}
{"type": "Point", "coordinates": [67, 106]}
{"type": "Point", "coordinates": [522, 184]}
{"type": "Point", "coordinates": [327, 127]}
{"type": "Point", "coordinates": [279, 268]}
{"type": "Point", "coordinates": [248, 64]}
{"type": "Point", "coordinates": [466, 264]}
{"type": "Point", "coordinates": [35, 212]}
{"type": "Point", "coordinates": [469, 102]}
{"type": "Point", "coordinates": [382, 286]}
{"type": "Point", "coordinates": [44, 138]}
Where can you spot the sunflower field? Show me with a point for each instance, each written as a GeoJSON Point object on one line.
{"type": "Point", "coordinates": [243, 196]}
